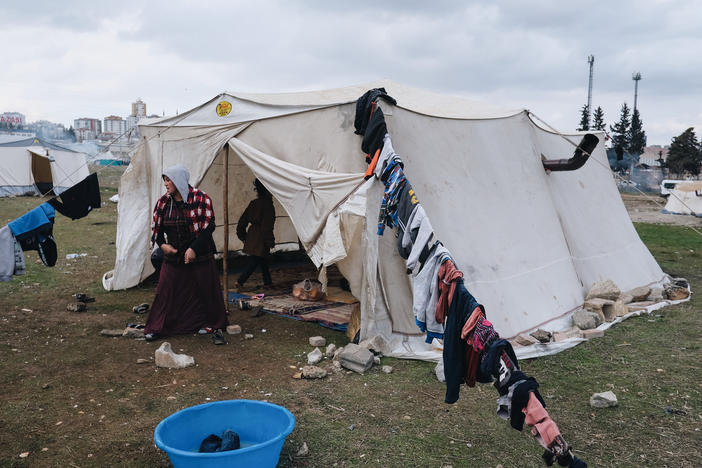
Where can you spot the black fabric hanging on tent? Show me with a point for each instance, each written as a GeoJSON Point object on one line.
{"type": "Point", "coordinates": [79, 200]}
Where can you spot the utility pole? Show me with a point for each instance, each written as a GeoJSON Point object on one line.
{"type": "Point", "coordinates": [636, 77]}
{"type": "Point", "coordinates": [591, 61]}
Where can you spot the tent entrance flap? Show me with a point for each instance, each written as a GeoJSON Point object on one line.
{"type": "Point", "coordinates": [41, 171]}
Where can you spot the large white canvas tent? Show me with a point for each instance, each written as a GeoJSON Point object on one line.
{"type": "Point", "coordinates": [33, 166]}
{"type": "Point", "coordinates": [685, 198]}
{"type": "Point", "coordinates": [530, 243]}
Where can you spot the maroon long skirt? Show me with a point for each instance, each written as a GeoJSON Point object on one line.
{"type": "Point", "coordinates": [188, 297]}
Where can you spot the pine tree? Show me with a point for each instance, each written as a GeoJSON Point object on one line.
{"type": "Point", "coordinates": [584, 118]}
{"type": "Point", "coordinates": [598, 119]}
{"type": "Point", "coordinates": [620, 132]}
{"type": "Point", "coordinates": [684, 153]}
{"type": "Point", "coordinates": [637, 136]}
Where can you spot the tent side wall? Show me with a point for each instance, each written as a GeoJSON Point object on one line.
{"type": "Point", "coordinates": [601, 238]}
{"type": "Point", "coordinates": [16, 172]}
{"type": "Point", "coordinates": [67, 169]}
{"type": "Point", "coordinates": [484, 189]}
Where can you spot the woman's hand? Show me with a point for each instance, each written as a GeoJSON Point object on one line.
{"type": "Point", "coordinates": [168, 249]}
{"type": "Point", "coordinates": [189, 255]}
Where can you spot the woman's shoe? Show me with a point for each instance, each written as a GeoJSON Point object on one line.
{"type": "Point", "coordinates": [218, 338]}
{"type": "Point", "coordinates": [150, 336]}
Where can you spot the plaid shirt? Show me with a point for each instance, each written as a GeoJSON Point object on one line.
{"type": "Point", "coordinates": [199, 211]}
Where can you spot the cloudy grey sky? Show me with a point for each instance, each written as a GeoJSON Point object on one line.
{"type": "Point", "coordinates": [70, 59]}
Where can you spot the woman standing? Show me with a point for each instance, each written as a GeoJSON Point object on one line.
{"type": "Point", "coordinates": [258, 239]}
{"type": "Point", "coordinates": [189, 294]}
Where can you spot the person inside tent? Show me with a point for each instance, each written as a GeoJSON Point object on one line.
{"type": "Point", "coordinates": [258, 239]}
{"type": "Point", "coordinates": [189, 293]}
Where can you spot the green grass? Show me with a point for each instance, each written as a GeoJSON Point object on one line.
{"type": "Point", "coordinates": [55, 367]}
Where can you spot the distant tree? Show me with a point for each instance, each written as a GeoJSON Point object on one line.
{"type": "Point", "coordinates": [637, 136]}
{"type": "Point", "coordinates": [584, 118]}
{"type": "Point", "coordinates": [71, 133]}
{"type": "Point", "coordinates": [684, 153]}
{"type": "Point", "coordinates": [598, 122]}
{"type": "Point", "coordinates": [620, 132]}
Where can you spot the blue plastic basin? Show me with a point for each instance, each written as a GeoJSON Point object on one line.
{"type": "Point", "coordinates": [262, 429]}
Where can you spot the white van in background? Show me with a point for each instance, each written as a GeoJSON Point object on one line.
{"type": "Point", "coordinates": [667, 185]}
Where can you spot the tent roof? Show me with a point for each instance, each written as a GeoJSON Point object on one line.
{"type": "Point", "coordinates": [254, 106]}
{"type": "Point", "coordinates": [34, 141]}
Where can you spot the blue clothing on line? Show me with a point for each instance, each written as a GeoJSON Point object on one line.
{"type": "Point", "coordinates": [33, 220]}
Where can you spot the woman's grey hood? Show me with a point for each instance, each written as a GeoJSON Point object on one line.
{"type": "Point", "coordinates": [180, 176]}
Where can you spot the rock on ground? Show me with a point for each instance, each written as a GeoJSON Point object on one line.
{"type": "Point", "coordinates": [656, 295]}
{"type": "Point", "coordinates": [639, 294]}
{"type": "Point", "coordinates": [331, 350]}
{"type": "Point", "coordinates": [593, 333]}
{"type": "Point", "coordinates": [386, 369]}
{"type": "Point", "coordinates": [356, 358]}
{"type": "Point", "coordinates": [603, 400]}
{"type": "Point", "coordinates": [234, 329]}
{"type": "Point", "coordinates": [313, 372]}
{"type": "Point", "coordinates": [318, 341]}
{"type": "Point", "coordinates": [606, 289]}
{"type": "Point", "coordinates": [526, 340]}
{"type": "Point", "coordinates": [585, 319]}
{"type": "Point", "coordinates": [133, 333]}
{"type": "Point", "coordinates": [111, 332]}
{"type": "Point", "coordinates": [314, 357]}
{"type": "Point", "coordinates": [76, 307]}
{"type": "Point", "coordinates": [304, 450]}
{"type": "Point", "coordinates": [542, 335]}
{"type": "Point", "coordinates": [165, 357]}
{"type": "Point", "coordinates": [612, 311]}
{"type": "Point", "coordinates": [377, 344]}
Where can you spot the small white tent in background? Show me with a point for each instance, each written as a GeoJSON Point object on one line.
{"type": "Point", "coordinates": [685, 198]}
{"type": "Point", "coordinates": [33, 166]}
{"type": "Point", "coordinates": [530, 243]}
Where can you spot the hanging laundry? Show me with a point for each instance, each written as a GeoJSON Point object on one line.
{"type": "Point", "coordinates": [33, 231]}
{"type": "Point", "coordinates": [417, 235]}
{"type": "Point", "coordinates": [394, 181]}
{"type": "Point", "coordinates": [406, 205]}
{"type": "Point", "coordinates": [364, 105]}
{"type": "Point", "coordinates": [490, 361]}
{"type": "Point", "coordinates": [520, 398]}
{"type": "Point", "coordinates": [80, 199]}
{"type": "Point", "coordinates": [447, 276]}
{"type": "Point", "coordinates": [463, 305]}
{"type": "Point", "coordinates": [425, 293]}
{"type": "Point", "coordinates": [385, 156]}
{"type": "Point", "coordinates": [504, 402]}
{"type": "Point", "coordinates": [20, 266]}
{"type": "Point", "coordinates": [8, 255]}
{"type": "Point", "coordinates": [375, 132]}
{"type": "Point", "coordinates": [544, 428]}
{"type": "Point", "coordinates": [472, 356]}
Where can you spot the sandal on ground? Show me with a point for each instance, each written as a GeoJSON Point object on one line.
{"type": "Point", "coordinates": [141, 308]}
{"type": "Point", "coordinates": [150, 336]}
{"type": "Point", "coordinates": [218, 338]}
{"type": "Point", "coordinates": [81, 297]}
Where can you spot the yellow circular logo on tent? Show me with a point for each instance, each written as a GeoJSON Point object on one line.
{"type": "Point", "coordinates": [224, 108]}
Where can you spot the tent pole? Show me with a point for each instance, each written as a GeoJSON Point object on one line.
{"type": "Point", "coordinates": [225, 208]}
